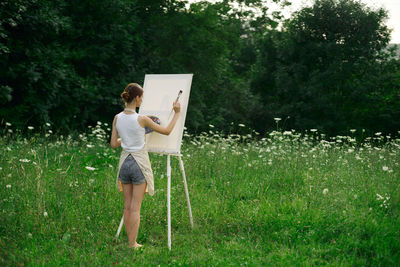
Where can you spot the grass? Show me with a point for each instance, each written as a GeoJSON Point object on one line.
{"type": "Point", "coordinates": [282, 200]}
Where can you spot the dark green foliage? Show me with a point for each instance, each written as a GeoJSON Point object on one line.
{"type": "Point", "coordinates": [66, 62]}
{"type": "Point", "coordinates": [61, 60]}
{"type": "Point", "coordinates": [329, 70]}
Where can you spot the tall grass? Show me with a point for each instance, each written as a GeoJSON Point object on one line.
{"type": "Point", "coordinates": [284, 199]}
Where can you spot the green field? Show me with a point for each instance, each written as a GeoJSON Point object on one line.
{"type": "Point", "coordinates": [280, 200]}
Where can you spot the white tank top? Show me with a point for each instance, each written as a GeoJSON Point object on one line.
{"type": "Point", "coordinates": [131, 133]}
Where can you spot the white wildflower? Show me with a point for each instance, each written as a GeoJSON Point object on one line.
{"type": "Point", "coordinates": [385, 168]}
{"type": "Point", "coordinates": [325, 191]}
{"type": "Point", "coordinates": [313, 130]}
{"type": "Point", "coordinates": [378, 133]}
{"type": "Point", "coordinates": [45, 214]}
{"type": "Point", "coordinates": [8, 186]}
{"type": "Point", "coordinates": [31, 127]}
{"type": "Point", "coordinates": [277, 119]}
{"type": "Point", "coordinates": [8, 124]}
{"type": "Point", "coordinates": [379, 197]}
{"type": "Point", "coordinates": [211, 126]}
{"type": "Point", "coordinates": [47, 124]}
{"type": "Point", "coordinates": [29, 235]}
{"type": "Point", "coordinates": [353, 130]}
{"type": "Point", "coordinates": [24, 160]}
{"type": "Point", "coordinates": [89, 145]}
{"type": "Point", "coordinates": [90, 168]}
{"type": "Point", "coordinates": [241, 125]}
{"type": "Point", "coordinates": [10, 131]}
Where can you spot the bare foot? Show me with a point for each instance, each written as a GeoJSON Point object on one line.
{"type": "Point", "coordinates": [136, 246]}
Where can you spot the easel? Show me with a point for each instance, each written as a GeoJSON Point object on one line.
{"type": "Point", "coordinates": [169, 196]}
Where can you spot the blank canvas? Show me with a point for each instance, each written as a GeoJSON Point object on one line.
{"type": "Point", "coordinates": [160, 91]}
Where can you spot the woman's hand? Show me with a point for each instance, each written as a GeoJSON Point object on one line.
{"type": "Point", "coordinates": [177, 107]}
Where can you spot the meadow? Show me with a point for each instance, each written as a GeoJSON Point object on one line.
{"type": "Point", "coordinates": [284, 199]}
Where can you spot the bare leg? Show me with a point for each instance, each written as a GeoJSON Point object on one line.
{"type": "Point", "coordinates": [127, 190]}
{"type": "Point", "coordinates": [133, 201]}
{"type": "Point", "coordinates": [137, 197]}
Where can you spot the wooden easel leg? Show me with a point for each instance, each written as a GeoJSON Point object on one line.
{"type": "Point", "coordinates": [186, 189]}
{"type": "Point", "coordinates": [169, 200]}
{"type": "Point", "coordinates": [120, 226]}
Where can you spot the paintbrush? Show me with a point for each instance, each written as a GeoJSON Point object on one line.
{"type": "Point", "coordinates": [177, 98]}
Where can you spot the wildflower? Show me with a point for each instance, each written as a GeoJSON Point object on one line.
{"type": "Point", "coordinates": [325, 191]}
{"type": "Point", "coordinates": [241, 125]}
{"type": "Point", "coordinates": [10, 131]}
{"type": "Point", "coordinates": [24, 160]}
{"type": "Point", "coordinates": [29, 235]}
{"type": "Point", "coordinates": [8, 186]}
{"type": "Point", "coordinates": [50, 131]}
{"type": "Point", "coordinates": [353, 130]}
{"type": "Point", "coordinates": [89, 145]}
{"type": "Point", "coordinates": [378, 133]}
{"type": "Point", "coordinates": [90, 168]}
{"type": "Point", "coordinates": [277, 119]}
{"type": "Point", "coordinates": [211, 126]}
{"type": "Point", "coordinates": [45, 214]}
{"type": "Point", "coordinates": [30, 127]}
{"type": "Point", "coordinates": [47, 124]}
{"type": "Point", "coordinates": [379, 197]}
{"type": "Point", "coordinates": [1, 168]}
{"type": "Point", "coordinates": [8, 124]}
{"type": "Point", "coordinates": [313, 130]}
{"type": "Point", "coordinates": [385, 168]}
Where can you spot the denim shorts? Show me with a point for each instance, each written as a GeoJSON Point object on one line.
{"type": "Point", "coordinates": [130, 172]}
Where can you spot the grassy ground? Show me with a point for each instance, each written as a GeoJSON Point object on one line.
{"type": "Point", "coordinates": [287, 199]}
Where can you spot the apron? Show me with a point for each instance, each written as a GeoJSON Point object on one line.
{"type": "Point", "coordinates": [142, 159]}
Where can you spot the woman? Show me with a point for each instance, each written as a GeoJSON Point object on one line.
{"type": "Point", "coordinates": [135, 176]}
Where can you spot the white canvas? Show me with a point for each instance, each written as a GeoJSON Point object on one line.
{"type": "Point", "coordinates": [160, 91]}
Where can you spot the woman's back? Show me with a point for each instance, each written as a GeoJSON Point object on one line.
{"type": "Point", "coordinates": [131, 133]}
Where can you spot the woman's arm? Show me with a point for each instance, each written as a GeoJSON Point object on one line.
{"type": "Point", "coordinates": [147, 122]}
{"type": "Point", "coordinates": [115, 141]}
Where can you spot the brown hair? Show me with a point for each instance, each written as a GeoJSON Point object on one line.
{"type": "Point", "coordinates": [131, 91]}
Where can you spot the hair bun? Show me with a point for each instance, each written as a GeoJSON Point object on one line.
{"type": "Point", "coordinates": [131, 91]}
{"type": "Point", "coordinates": [126, 96]}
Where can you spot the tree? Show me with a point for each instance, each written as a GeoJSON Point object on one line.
{"type": "Point", "coordinates": [60, 58]}
{"type": "Point", "coordinates": [314, 71]}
